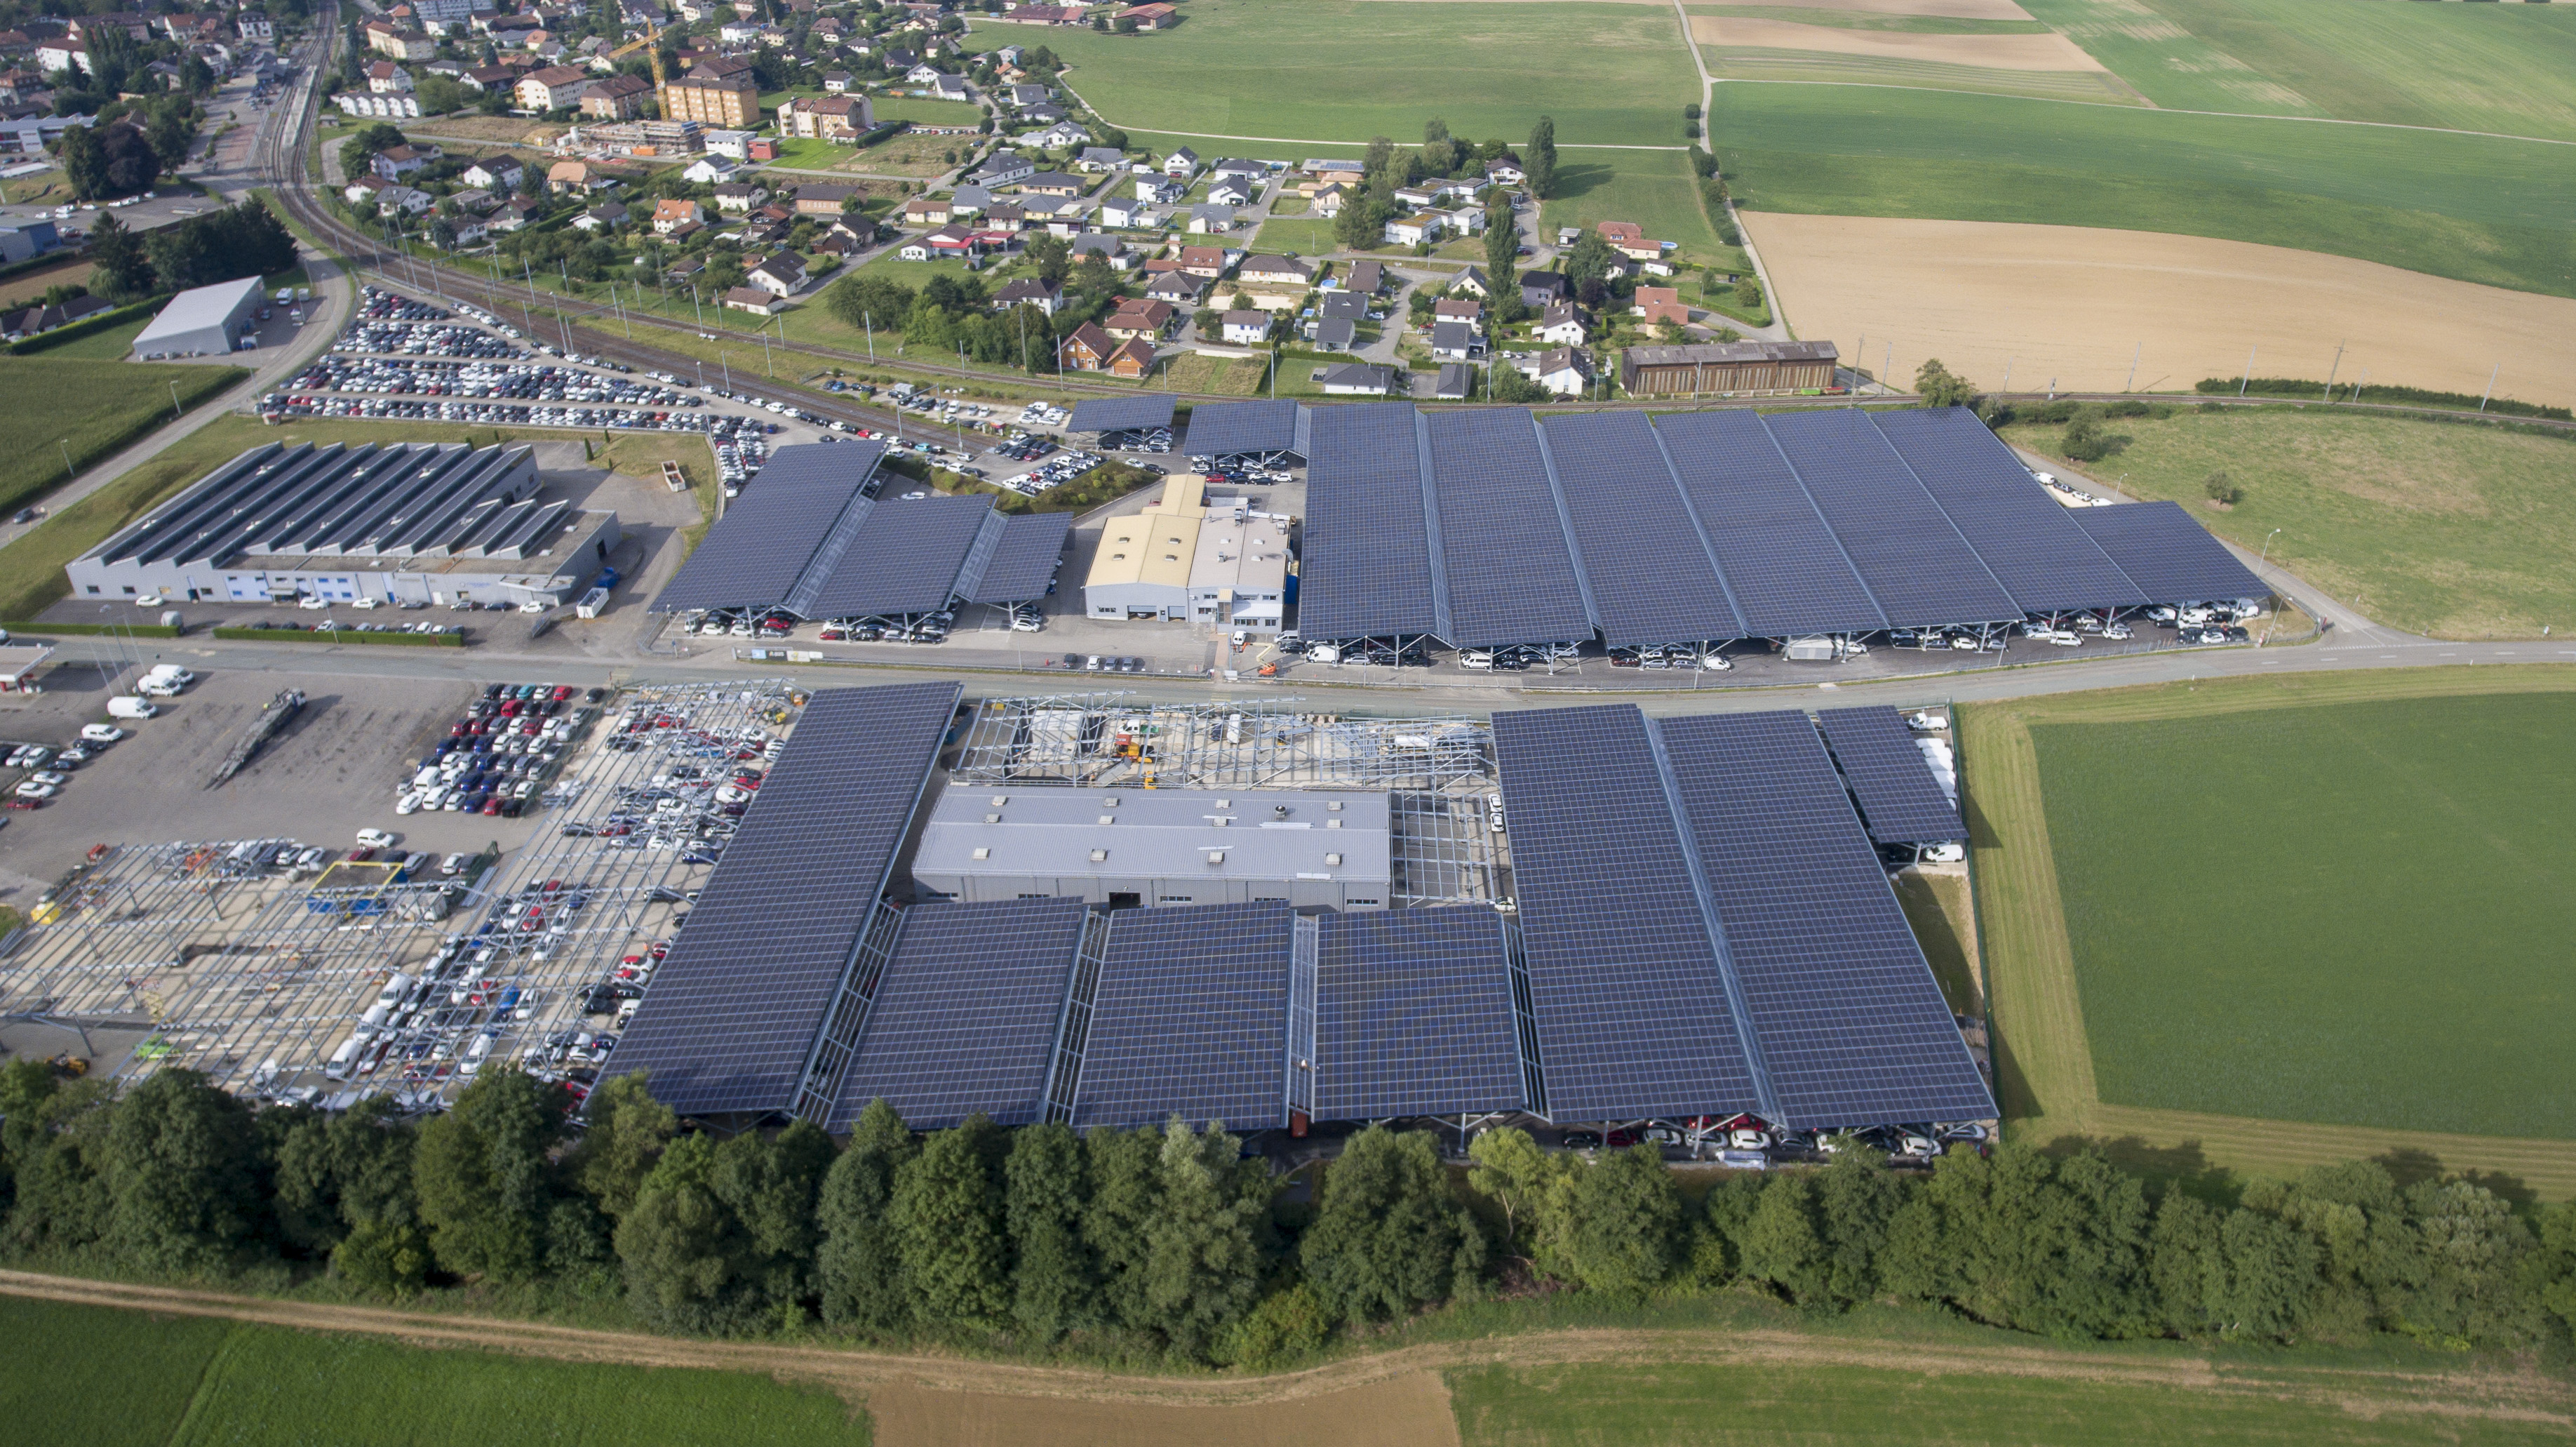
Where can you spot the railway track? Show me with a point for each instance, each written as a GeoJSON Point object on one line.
{"type": "Point", "coordinates": [285, 163]}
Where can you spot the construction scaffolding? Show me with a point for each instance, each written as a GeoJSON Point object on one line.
{"type": "Point", "coordinates": [1097, 740]}
{"type": "Point", "coordinates": [1449, 848]}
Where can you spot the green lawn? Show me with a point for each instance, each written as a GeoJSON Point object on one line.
{"type": "Point", "coordinates": [2458, 531]}
{"type": "Point", "coordinates": [812, 155]}
{"type": "Point", "coordinates": [1815, 67]}
{"type": "Point", "coordinates": [58, 399]}
{"type": "Point", "coordinates": [1665, 1404]}
{"type": "Point", "coordinates": [2502, 212]}
{"type": "Point", "coordinates": [108, 1377]}
{"type": "Point", "coordinates": [2505, 68]}
{"type": "Point", "coordinates": [1300, 235]}
{"type": "Point", "coordinates": [1655, 190]}
{"type": "Point", "coordinates": [111, 345]}
{"type": "Point", "coordinates": [1163, 143]}
{"type": "Point", "coordinates": [1299, 70]}
{"type": "Point", "coordinates": [922, 111]}
{"type": "Point", "coordinates": [2353, 914]}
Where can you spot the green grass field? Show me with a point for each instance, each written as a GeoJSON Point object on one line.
{"type": "Point", "coordinates": [2354, 914]}
{"type": "Point", "coordinates": [1670, 1404]}
{"type": "Point", "coordinates": [1338, 70]}
{"type": "Point", "coordinates": [93, 406]}
{"type": "Point", "coordinates": [1821, 68]}
{"type": "Point", "coordinates": [109, 1377]}
{"type": "Point", "coordinates": [1656, 190]}
{"type": "Point", "coordinates": [2501, 212]}
{"type": "Point", "coordinates": [922, 111]}
{"type": "Point", "coordinates": [2456, 531]}
{"type": "Point", "coordinates": [2510, 69]}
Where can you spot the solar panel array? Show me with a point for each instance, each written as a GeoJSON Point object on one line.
{"type": "Point", "coordinates": [735, 1007]}
{"type": "Point", "coordinates": [1788, 569]}
{"type": "Point", "coordinates": [1366, 570]}
{"type": "Point", "coordinates": [852, 462]}
{"type": "Point", "coordinates": [2173, 558]}
{"type": "Point", "coordinates": [754, 556]}
{"type": "Point", "coordinates": [1900, 801]}
{"type": "Point", "coordinates": [1626, 983]}
{"type": "Point", "coordinates": [1413, 1015]}
{"type": "Point", "coordinates": [965, 1016]}
{"type": "Point", "coordinates": [1220, 429]}
{"type": "Point", "coordinates": [906, 560]}
{"type": "Point", "coordinates": [2034, 549]}
{"type": "Point", "coordinates": [1851, 1027]}
{"type": "Point", "coordinates": [1916, 564]}
{"type": "Point", "coordinates": [1025, 564]}
{"type": "Point", "coordinates": [1511, 577]}
{"type": "Point", "coordinates": [1122, 414]}
{"type": "Point", "coordinates": [1741, 525]}
{"type": "Point", "coordinates": [1652, 577]}
{"type": "Point", "coordinates": [1191, 1017]}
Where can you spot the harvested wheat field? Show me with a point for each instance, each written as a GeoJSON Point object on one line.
{"type": "Point", "coordinates": [2071, 305]}
{"type": "Point", "coordinates": [1941, 9]}
{"type": "Point", "coordinates": [1411, 1410]}
{"type": "Point", "coordinates": [2048, 52]}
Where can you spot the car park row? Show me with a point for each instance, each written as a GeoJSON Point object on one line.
{"type": "Point", "coordinates": [506, 748]}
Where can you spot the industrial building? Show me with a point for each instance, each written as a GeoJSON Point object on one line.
{"type": "Point", "coordinates": [1156, 848]}
{"type": "Point", "coordinates": [1492, 527]}
{"type": "Point", "coordinates": [1698, 927]}
{"type": "Point", "coordinates": [204, 321]}
{"type": "Point", "coordinates": [409, 523]}
{"type": "Point", "coordinates": [1752, 368]}
{"type": "Point", "coordinates": [1181, 557]}
{"type": "Point", "coordinates": [811, 538]}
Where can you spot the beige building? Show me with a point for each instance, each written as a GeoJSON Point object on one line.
{"type": "Point", "coordinates": [1239, 579]}
{"type": "Point", "coordinates": [1222, 567]}
{"type": "Point", "coordinates": [729, 102]}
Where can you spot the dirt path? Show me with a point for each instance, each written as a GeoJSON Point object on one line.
{"type": "Point", "coordinates": [1392, 1397]}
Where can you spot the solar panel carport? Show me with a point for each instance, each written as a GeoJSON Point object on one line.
{"type": "Point", "coordinates": [1259, 429]}
{"type": "Point", "coordinates": [1711, 526]}
{"type": "Point", "coordinates": [1900, 802]}
{"type": "Point", "coordinates": [1121, 414]}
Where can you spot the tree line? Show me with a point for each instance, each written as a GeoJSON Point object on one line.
{"type": "Point", "coordinates": [238, 241]}
{"type": "Point", "coordinates": [1169, 1244]}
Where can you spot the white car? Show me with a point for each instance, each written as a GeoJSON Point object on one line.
{"type": "Point", "coordinates": [52, 777]}
{"type": "Point", "coordinates": [409, 803]}
{"type": "Point", "coordinates": [148, 600]}
{"type": "Point", "coordinates": [101, 733]}
{"type": "Point", "coordinates": [365, 603]}
{"type": "Point", "coordinates": [377, 839]}
{"type": "Point", "coordinates": [1944, 853]}
{"type": "Point", "coordinates": [30, 789]}
{"type": "Point", "coordinates": [312, 603]}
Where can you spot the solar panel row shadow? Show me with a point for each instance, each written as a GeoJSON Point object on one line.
{"type": "Point", "coordinates": [906, 560]}
{"type": "Point", "coordinates": [1900, 801]}
{"type": "Point", "coordinates": [965, 1014]}
{"type": "Point", "coordinates": [2173, 558]}
{"type": "Point", "coordinates": [2026, 538]}
{"type": "Point", "coordinates": [1851, 1027]}
{"type": "Point", "coordinates": [1025, 563]}
{"type": "Point", "coordinates": [1191, 1018]}
{"type": "Point", "coordinates": [1413, 1015]}
{"type": "Point", "coordinates": [1624, 977]}
{"type": "Point", "coordinates": [1511, 577]}
{"type": "Point", "coordinates": [1651, 577]}
{"type": "Point", "coordinates": [1366, 571]}
{"type": "Point", "coordinates": [1218, 429]}
{"type": "Point", "coordinates": [1916, 564]}
{"type": "Point", "coordinates": [1787, 568]}
{"type": "Point", "coordinates": [735, 1006]}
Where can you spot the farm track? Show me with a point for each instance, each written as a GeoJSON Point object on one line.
{"type": "Point", "coordinates": [2045, 1060]}
{"type": "Point", "coordinates": [2527, 1396]}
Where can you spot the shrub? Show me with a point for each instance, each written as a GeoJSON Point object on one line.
{"type": "Point", "coordinates": [2222, 491]}
{"type": "Point", "coordinates": [2084, 440]}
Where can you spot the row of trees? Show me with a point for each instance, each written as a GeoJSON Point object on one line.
{"type": "Point", "coordinates": [949, 313]}
{"type": "Point", "coordinates": [130, 143]}
{"type": "Point", "coordinates": [1155, 1243]}
{"type": "Point", "coordinates": [1363, 218]}
{"type": "Point", "coordinates": [237, 241]}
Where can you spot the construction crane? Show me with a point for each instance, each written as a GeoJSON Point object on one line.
{"type": "Point", "coordinates": [661, 86]}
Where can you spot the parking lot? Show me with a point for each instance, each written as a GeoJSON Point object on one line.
{"type": "Point", "coordinates": [300, 972]}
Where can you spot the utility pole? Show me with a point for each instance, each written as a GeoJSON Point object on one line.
{"type": "Point", "coordinates": [175, 409]}
{"type": "Point", "coordinates": [2330, 372]}
{"type": "Point", "coordinates": [2249, 370]}
{"type": "Point", "coordinates": [2132, 384]}
{"type": "Point", "coordinates": [2490, 391]}
{"type": "Point", "coordinates": [870, 322]}
{"type": "Point", "coordinates": [2007, 386]}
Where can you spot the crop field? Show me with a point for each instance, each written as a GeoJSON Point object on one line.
{"type": "Point", "coordinates": [2024, 60]}
{"type": "Point", "coordinates": [1669, 1404]}
{"type": "Point", "coordinates": [2259, 924]}
{"type": "Point", "coordinates": [2510, 69]}
{"type": "Point", "coordinates": [2459, 532]}
{"type": "Point", "coordinates": [2498, 212]}
{"type": "Point", "coordinates": [2095, 309]}
{"type": "Point", "coordinates": [88, 405]}
{"type": "Point", "coordinates": [110, 1377]}
{"type": "Point", "coordinates": [1608, 74]}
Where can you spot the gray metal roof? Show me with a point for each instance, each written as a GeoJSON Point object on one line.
{"type": "Point", "coordinates": [1157, 834]}
{"type": "Point", "coordinates": [196, 309]}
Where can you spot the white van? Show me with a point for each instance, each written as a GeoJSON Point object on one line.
{"type": "Point", "coordinates": [130, 706]}
{"type": "Point", "coordinates": [474, 1054]}
{"type": "Point", "coordinates": [345, 1059]}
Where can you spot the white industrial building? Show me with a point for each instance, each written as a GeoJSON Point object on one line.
{"type": "Point", "coordinates": [1150, 848]}
{"type": "Point", "coordinates": [1219, 564]}
{"type": "Point", "coordinates": [205, 321]}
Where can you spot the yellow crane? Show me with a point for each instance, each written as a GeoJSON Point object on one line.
{"type": "Point", "coordinates": [661, 86]}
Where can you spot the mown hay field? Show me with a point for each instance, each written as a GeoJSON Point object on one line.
{"type": "Point", "coordinates": [2270, 938]}
{"type": "Point", "coordinates": [2437, 528]}
{"type": "Point", "coordinates": [2075, 307]}
{"type": "Point", "coordinates": [1338, 70]}
{"type": "Point", "coordinates": [2500, 212]}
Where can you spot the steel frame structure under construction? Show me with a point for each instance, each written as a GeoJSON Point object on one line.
{"type": "Point", "coordinates": [1092, 740]}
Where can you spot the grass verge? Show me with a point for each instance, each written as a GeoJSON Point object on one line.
{"type": "Point", "coordinates": [2045, 1062]}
